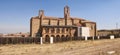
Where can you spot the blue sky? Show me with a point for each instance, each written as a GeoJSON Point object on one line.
{"type": "Point", "coordinates": [15, 14]}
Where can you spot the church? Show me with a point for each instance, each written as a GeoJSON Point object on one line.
{"type": "Point", "coordinates": [66, 27]}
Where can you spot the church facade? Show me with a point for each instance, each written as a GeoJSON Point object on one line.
{"type": "Point", "coordinates": [44, 26]}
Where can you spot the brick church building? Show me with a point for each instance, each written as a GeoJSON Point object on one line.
{"type": "Point", "coordinates": [44, 26]}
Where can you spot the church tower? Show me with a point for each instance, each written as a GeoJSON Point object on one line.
{"type": "Point", "coordinates": [66, 14]}
{"type": "Point", "coordinates": [41, 16]}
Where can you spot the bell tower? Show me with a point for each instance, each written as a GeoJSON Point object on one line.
{"type": "Point", "coordinates": [41, 16]}
{"type": "Point", "coordinates": [66, 12]}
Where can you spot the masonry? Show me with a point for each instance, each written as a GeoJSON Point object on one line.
{"type": "Point", "coordinates": [115, 32]}
{"type": "Point", "coordinates": [44, 26]}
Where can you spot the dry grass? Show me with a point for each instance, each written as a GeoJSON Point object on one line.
{"type": "Point", "coordinates": [97, 47]}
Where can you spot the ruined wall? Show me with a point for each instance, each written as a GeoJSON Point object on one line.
{"type": "Point", "coordinates": [34, 26]}
{"type": "Point", "coordinates": [53, 22]}
{"type": "Point", "coordinates": [60, 22]}
{"type": "Point", "coordinates": [45, 22]}
{"type": "Point", "coordinates": [69, 22]}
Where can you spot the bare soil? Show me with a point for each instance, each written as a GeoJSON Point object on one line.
{"type": "Point", "coordinates": [96, 47]}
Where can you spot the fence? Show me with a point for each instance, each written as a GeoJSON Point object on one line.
{"type": "Point", "coordinates": [29, 40]}
{"type": "Point", "coordinates": [19, 40]}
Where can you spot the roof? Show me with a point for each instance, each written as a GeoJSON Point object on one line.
{"type": "Point", "coordinates": [58, 26]}
{"type": "Point", "coordinates": [87, 21]}
{"type": "Point", "coordinates": [58, 18]}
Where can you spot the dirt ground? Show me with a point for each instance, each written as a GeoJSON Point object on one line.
{"type": "Point", "coordinates": [96, 47]}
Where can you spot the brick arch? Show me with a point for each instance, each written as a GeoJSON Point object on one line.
{"type": "Point", "coordinates": [67, 37]}
{"type": "Point", "coordinates": [54, 37]}
{"type": "Point", "coordinates": [63, 37]}
{"type": "Point", "coordinates": [47, 38]}
{"type": "Point", "coordinates": [58, 38]}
